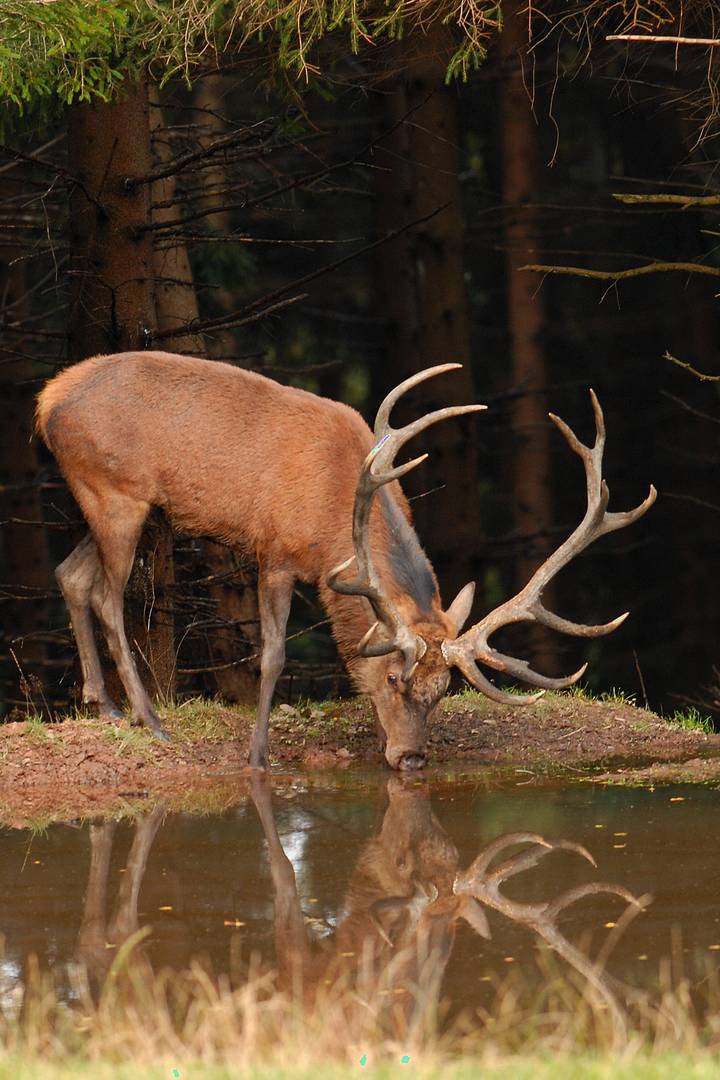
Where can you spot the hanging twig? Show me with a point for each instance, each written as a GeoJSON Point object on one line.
{"type": "Point", "coordinates": [177, 164]}
{"type": "Point", "coordinates": [58, 170]}
{"type": "Point", "coordinates": [300, 181]}
{"type": "Point", "coordinates": [225, 321]}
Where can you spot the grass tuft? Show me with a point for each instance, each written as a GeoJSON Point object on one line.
{"type": "Point", "coordinates": [691, 719]}
{"type": "Point", "coordinates": [618, 697]}
{"type": "Point", "coordinates": [199, 718]}
{"type": "Point", "coordinates": [136, 741]}
{"type": "Point", "coordinates": [36, 730]}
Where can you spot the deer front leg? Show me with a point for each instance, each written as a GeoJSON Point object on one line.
{"type": "Point", "coordinates": [275, 589]}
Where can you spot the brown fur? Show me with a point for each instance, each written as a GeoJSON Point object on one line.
{"type": "Point", "coordinates": [230, 454]}
{"type": "Point", "coordinates": [226, 453]}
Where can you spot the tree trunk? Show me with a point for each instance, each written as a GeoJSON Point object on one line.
{"type": "Point", "coordinates": [532, 487]}
{"type": "Point", "coordinates": [234, 596]}
{"type": "Point", "coordinates": [114, 309]}
{"type": "Point", "coordinates": [25, 554]}
{"type": "Point", "coordinates": [422, 295]}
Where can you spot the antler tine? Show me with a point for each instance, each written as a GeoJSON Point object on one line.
{"type": "Point", "coordinates": [378, 469]}
{"type": "Point", "coordinates": [480, 864]}
{"type": "Point", "coordinates": [485, 884]}
{"type": "Point", "coordinates": [526, 860]}
{"type": "Point", "coordinates": [472, 647]}
{"type": "Point", "coordinates": [388, 403]}
{"type": "Point", "coordinates": [516, 864]}
{"type": "Point", "coordinates": [541, 917]}
{"type": "Point", "coordinates": [594, 888]}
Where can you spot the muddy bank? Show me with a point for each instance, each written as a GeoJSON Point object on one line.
{"type": "Point", "coordinates": [697, 770]}
{"type": "Point", "coordinates": [80, 767]}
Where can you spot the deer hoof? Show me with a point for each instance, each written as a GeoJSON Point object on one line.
{"type": "Point", "coordinates": [110, 714]}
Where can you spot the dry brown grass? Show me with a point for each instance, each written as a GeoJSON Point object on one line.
{"type": "Point", "coordinates": [256, 1028]}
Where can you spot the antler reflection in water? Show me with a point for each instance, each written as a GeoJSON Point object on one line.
{"type": "Point", "coordinates": [483, 884]}
{"type": "Point", "coordinates": [404, 901]}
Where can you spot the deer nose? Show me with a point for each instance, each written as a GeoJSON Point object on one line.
{"type": "Point", "coordinates": [413, 760]}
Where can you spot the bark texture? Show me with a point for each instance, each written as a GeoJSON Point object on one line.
{"type": "Point", "coordinates": [520, 172]}
{"type": "Point", "coordinates": [422, 295]}
{"type": "Point", "coordinates": [25, 549]}
{"type": "Point", "coordinates": [114, 309]}
{"type": "Point", "coordinates": [233, 593]}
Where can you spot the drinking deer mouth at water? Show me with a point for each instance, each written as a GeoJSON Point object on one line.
{"type": "Point", "coordinates": [301, 482]}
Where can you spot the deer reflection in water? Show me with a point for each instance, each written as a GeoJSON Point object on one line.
{"type": "Point", "coordinates": [389, 951]}
{"type": "Point", "coordinates": [101, 934]}
{"type": "Point", "coordinates": [403, 904]}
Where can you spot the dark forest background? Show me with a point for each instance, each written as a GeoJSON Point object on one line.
{"type": "Point", "coordinates": [339, 232]}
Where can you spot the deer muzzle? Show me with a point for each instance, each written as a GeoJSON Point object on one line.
{"type": "Point", "coordinates": [409, 760]}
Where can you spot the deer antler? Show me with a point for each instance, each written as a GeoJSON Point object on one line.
{"type": "Point", "coordinates": [484, 885]}
{"type": "Point", "coordinates": [377, 470]}
{"type": "Point", "coordinates": [472, 646]}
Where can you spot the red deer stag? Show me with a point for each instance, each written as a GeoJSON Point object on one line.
{"type": "Point", "coordinates": [271, 469]}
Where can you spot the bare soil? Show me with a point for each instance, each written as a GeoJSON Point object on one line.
{"type": "Point", "coordinates": [83, 768]}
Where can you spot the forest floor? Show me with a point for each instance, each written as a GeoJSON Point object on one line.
{"type": "Point", "coordinates": [80, 767]}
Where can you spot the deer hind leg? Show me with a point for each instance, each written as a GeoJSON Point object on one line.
{"type": "Point", "coordinates": [275, 590]}
{"type": "Point", "coordinates": [78, 577]}
{"type": "Point", "coordinates": [116, 521]}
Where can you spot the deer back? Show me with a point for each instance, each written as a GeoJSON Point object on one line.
{"type": "Point", "coordinates": [223, 451]}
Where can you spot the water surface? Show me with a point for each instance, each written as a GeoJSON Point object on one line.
{"type": "Point", "coordinates": [319, 866]}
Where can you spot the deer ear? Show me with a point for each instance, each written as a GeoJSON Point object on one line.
{"type": "Point", "coordinates": [459, 610]}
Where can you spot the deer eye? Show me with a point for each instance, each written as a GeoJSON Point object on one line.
{"type": "Point", "coordinates": [392, 679]}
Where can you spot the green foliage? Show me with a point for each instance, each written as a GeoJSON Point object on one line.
{"type": "Point", "coordinates": [71, 50]}
{"type": "Point", "coordinates": [691, 719]}
{"type": "Point", "coordinates": [63, 51]}
{"type": "Point", "coordinates": [543, 1064]}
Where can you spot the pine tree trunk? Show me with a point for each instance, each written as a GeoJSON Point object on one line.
{"type": "Point", "coordinates": [114, 309]}
{"type": "Point", "coordinates": [25, 554]}
{"type": "Point", "coordinates": [532, 487]}
{"type": "Point", "coordinates": [234, 596]}
{"type": "Point", "coordinates": [422, 296]}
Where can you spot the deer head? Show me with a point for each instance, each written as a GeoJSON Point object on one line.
{"type": "Point", "coordinates": [412, 658]}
